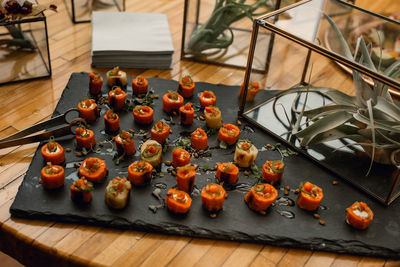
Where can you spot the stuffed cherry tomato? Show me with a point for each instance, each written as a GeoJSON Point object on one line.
{"type": "Point", "coordinates": [186, 86]}
{"type": "Point", "coordinates": [172, 101]}
{"type": "Point", "coordinates": [95, 83]}
{"type": "Point", "coordinates": [260, 197]}
{"type": "Point", "coordinates": [359, 215]}
{"type": "Point", "coordinates": [199, 139]}
{"type": "Point", "coordinates": [185, 177]}
{"type": "Point", "coordinates": [125, 143]}
{"type": "Point", "coordinates": [212, 197]}
{"type": "Point", "coordinates": [228, 133]}
{"type": "Point", "coordinates": [160, 132]}
{"type": "Point", "coordinates": [139, 85]}
{"type": "Point", "coordinates": [111, 121]}
{"type": "Point", "coordinates": [53, 152]}
{"type": "Point", "coordinates": [52, 176]}
{"type": "Point", "coordinates": [88, 110]}
{"type": "Point", "coordinates": [116, 98]}
{"type": "Point", "coordinates": [85, 137]}
{"type": "Point", "coordinates": [93, 169]}
{"type": "Point", "coordinates": [180, 157]}
{"type": "Point", "coordinates": [207, 98]}
{"type": "Point", "coordinates": [272, 171]}
{"type": "Point", "coordinates": [186, 114]}
{"type": "Point", "coordinates": [178, 201]}
{"type": "Point", "coordinates": [143, 114]}
{"type": "Point", "coordinates": [310, 196]}
{"type": "Point", "coordinates": [139, 173]}
{"type": "Point", "coordinates": [228, 173]}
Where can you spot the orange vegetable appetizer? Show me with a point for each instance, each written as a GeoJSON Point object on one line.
{"type": "Point", "coordinates": [199, 139]}
{"type": "Point", "coordinates": [245, 153]}
{"type": "Point", "coordinates": [84, 137]}
{"type": "Point", "coordinates": [310, 196]}
{"type": "Point", "coordinates": [180, 157]}
{"type": "Point", "coordinates": [151, 152]}
{"type": "Point", "coordinates": [117, 193]}
{"type": "Point", "coordinates": [139, 173]}
{"type": "Point", "coordinates": [228, 133]}
{"type": "Point", "coordinates": [116, 77]}
{"type": "Point", "coordinates": [228, 173]}
{"type": "Point", "coordinates": [88, 109]}
{"type": "Point", "coordinates": [186, 114]}
{"type": "Point", "coordinates": [260, 197]}
{"type": "Point", "coordinates": [94, 169]}
{"type": "Point", "coordinates": [53, 152]}
{"type": "Point", "coordinates": [186, 86]}
{"type": "Point", "coordinates": [212, 197]}
{"type": "Point", "coordinates": [116, 98]}
{"type": "Point", "coordinates": [125, 143]}
{"type": "Point", "coordinates": [81, 190]}
{"type": "Point", "coordinates": [111, 121]}
{"type": "Point", "coordinates": [139, 85]}
{"type": "Point", "coordinates": [160, 132]}
{"type": "Point", "coordinates": [143, 114]}
{"type": "Point", "coordinates": [178, 201]}
{"type": "Point", "coordinates": [254, 88]}
{"type": "Point", "coordinates": [52, 176]}
{"type": "Point", "coordinates": [95, 83]}
{"type": "Point", "coordinates": [185, 177]}
{"type": "Point", "coordinates": [272, 171]}
{"type": "Point", "coordinates": [207, 98]}
{"type": "Point", "coordinates": [359, 215]}
{"type": "Point", "coordinates": [172, 101]}
{"type": "Point", "coordinates": [213, 117]}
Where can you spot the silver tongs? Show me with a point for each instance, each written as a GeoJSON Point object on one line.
{"type": "Point", "coordinates": [26, 136]}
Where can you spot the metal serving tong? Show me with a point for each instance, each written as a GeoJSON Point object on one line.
{"type": "Point", "coordinates": [25, 136]}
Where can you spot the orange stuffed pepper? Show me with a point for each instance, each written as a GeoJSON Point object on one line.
{"type": "Point", "coordinates": [185, 177]}
{"type": "Point", "coordinates": [116, 98]}
{"type": "Point", "coordinates": [88, 110]}
{"type": "Point", "coordinates": [186, 86]}
{"type": "Point", "coordinates": [160, 132]}
{"type": "Point", "coordinates": [111, 121]}
{"type": "Point", "coordinates": [125, 143]}
{"type": "Point", "coordinates": [139, 85]}
{"type": "Point", "coordinates": [94, 169]}
{"type": "Point", "coordinates": [84, 137]}
{"type": "Point", "coordinates": [81, 190]}
{"type": "Point", "coordinates": [52, 176]}
{"type": "Point", "coordinates": [180, 157]}
{"type": "Point", "coordinates": [359, 215]}
{"type": "Point", "coordinates": [228, 173]}
{"type": "Point", "coordinates": [272, 171]}
{"type": "Point", "coordinates": [260, 197]}
{"type": "Point", "coordinates": [207, 98]}
{"type": "Point", "coordinates": [53, 152]}
{"type": "Point", "coordinates": [212, 197]}
{"type": "Point", "coordinates": [139, 173]}
{"type": "Point", "coordinates": [143, 114]}
{"type": "Point", "coordinates": [95, 83]}
{"type": "Point", "coordinates": [199, 139]}
{"type": "Point", "coordinates": [178, 201]}
{"type": "Point", "coordinates": [228, 133]}
{"type": "Point", "coordinates": [254, 88]}
{"type": "Point", "coordinates": [172, 101]}
{"type": "Point", "coordinates": [310, 196]}
{"type": "Point", "coordinates": [186, 114]}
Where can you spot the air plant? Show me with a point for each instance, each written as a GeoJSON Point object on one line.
{"type": "Point", "coordinates": [370, 118]}
{"type": "Point", "coordinates": [216, 32]}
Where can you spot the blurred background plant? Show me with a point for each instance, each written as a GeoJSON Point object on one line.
{"type": "Point", "coordinates": [370, 119]}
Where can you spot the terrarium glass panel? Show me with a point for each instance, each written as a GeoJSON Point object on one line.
{"type": "Point", "coordinates": [334, 79]}
{"type": "Point", "coordinates": [24, 51]}
{"type": "Point", "coordinates": [81, 10]}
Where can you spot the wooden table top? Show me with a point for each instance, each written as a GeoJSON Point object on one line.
{"type": "Point", "coordinates": [45, 243]}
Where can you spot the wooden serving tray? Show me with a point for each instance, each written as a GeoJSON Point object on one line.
{"type": "Point", "coordinates": [283, 225]}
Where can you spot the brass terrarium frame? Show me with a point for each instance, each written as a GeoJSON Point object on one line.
{"type": "Point", "coordinates": [266, 24]}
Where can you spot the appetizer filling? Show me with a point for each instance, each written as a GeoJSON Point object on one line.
{"type": "Point", "coordinates": [244, 144]}
{"type": "Point", "coordinates": [199, 133]}
{"type": "Point", "coordinates": [52, 146]}
{"type": "Point", "coordinates": [212, 111]}
{"type": "Point", "coordinates": [228, 130]}
{"type": "Point", "coordinates": [179, 197]}
{"type": "Point", "coordinates": [276, 166]}
{"type": "Point", "coordinates": [360, 211]}
{"type": "Point", "coordinates": [253, 85]}
{"type": "Point", "coordinates": [82, 185]}
{"type": "Point", "coordinates": [208, 95]}
{"type": "Point", "coordinates": [111, 115]}
{"type": "Point", "coordinates": [140, 80]}
{"type": "Point", "coordinates": [142, 110]}
{"type": "Point", "coordinates": [50, 169]}
{"type": "Point", "coordinates": [82, 131]}
{"type": "Point", "coordinates": [213, 190]}
{"type": "Point", "coordinates": [141, 166]}
{"type": "Point", "coordinates": [117, 185]}
{"type": "Point", "coordinates": [310, 189]}
{"type": "Point", "coordinates": [151, 150]}
{"type": "Point", "coordinates": [88, 103]}
{"type": "Point", "coordinates": [94, 77]}
{"type": "Point", "coordinates": [188, 107]}
{"type": "Point", "coordinates": [187, 80]}
{"type": "Point", "coordinates": [125, 136]}
{"type": "Point", "coordinates": [263, 191]}
{"type": "Point", "coordinates": [159, 126]}
{"type": "Point", "coordinates": [185, 171]}
{"type": "Point", "coordinates": [92, 165]}
{"type": "Point", "coordinates": [116, 91]}
{"type": "Point", "coordinates": [227, 166]}
{"type": "Point", "coordinates": [173, 96]}
{"type": "Point", "coordinates": [114, 71]}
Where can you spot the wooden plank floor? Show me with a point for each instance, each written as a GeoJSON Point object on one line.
{"type": "Point", "coordinates": [44, 243]}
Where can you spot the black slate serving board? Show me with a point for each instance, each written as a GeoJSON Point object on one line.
{"type": "Point", "coordinates": [236, 221]}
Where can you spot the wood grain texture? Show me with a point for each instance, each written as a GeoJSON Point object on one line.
{"type": "Point", "coordinates": [45, 243]}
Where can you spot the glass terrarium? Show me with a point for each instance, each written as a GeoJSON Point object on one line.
{"type": "Point", "coordinates": [24, 49]}
{"type": "Point", "coordinates": [329, 90]}
{"type": "Point", "coordinates": [219, 31]}
{"type": "Point", "coordinates": [81, 10]}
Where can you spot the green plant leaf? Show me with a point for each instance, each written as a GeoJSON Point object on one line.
{"type": "Point", "coordinates": [388, 108]}
{"type": "Point", "coordinates": [342, 131]}
{"type": "Point", "coordinates": [373, 141]}
{"type": "Point", "coordinates": [345, 46]}
{"type": "Point", "coordinates": [325, 110]}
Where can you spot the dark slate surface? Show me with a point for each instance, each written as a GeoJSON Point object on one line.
{"type": "Point", "coordinates": [236, 221]}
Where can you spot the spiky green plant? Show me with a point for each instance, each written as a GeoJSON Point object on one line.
{"type": "Point", "coordinates": [370, 118]}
